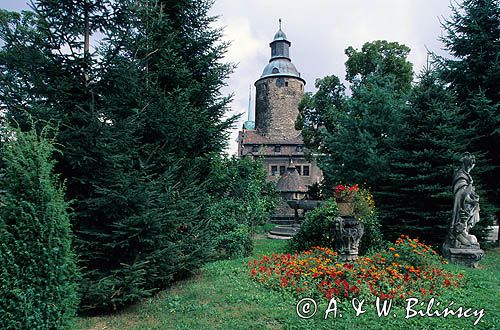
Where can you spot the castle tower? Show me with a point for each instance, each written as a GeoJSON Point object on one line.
{"type": "Point", "coordinates": [273, 137]}
{"type": "Point", "coordinates": [278, 92]}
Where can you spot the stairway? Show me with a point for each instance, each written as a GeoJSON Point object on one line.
{"type": "Point", "coordinates": [283, 231]}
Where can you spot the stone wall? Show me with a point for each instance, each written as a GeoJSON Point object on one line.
{"type": "Point", "coordinates": [276, 106]}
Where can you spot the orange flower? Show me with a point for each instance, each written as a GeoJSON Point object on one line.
{"type": "Point", "coordinates": [396, 255]}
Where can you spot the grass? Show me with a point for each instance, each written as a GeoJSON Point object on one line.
{"type": "Point", "coordinates": [223, 296]}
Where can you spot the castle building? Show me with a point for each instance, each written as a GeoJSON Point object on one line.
{"type": "Point", "coordinates": [272, 136]}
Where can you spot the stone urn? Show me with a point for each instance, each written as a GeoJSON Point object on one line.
{"type": "Point", "coordinates": [347, 233]}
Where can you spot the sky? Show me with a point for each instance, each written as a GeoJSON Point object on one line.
{"type": "Point", "coordinates": [320, 31]}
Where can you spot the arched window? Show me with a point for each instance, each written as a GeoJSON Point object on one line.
{"type": "Point", "coordinates": [276, 70]}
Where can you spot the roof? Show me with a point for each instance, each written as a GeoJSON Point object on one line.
{"type": "Point", "coordinates": [280, 67]}
{"type": "Point", "coordinates": [280, 35]}
{"type": "Point", "coordinates": [291, 181]}
{"type": "Point", "coordinates": [253, 137]}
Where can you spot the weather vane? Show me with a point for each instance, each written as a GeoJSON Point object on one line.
{"type": "Point", "coordinates": [280, 22]}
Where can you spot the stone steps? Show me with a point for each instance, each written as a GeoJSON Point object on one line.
{"type": "Point", "coordinates": [283, 219]}
{"type": "Point", "coordinates": [283, 231]}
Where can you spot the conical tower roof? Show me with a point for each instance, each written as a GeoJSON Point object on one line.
{"type": "Point", "coordinates": [291, 181]}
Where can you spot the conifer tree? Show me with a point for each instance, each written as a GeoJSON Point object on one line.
{"type": "Point", "coordinates": [473, 71]}
{"type": "Point", "coordinates": [38, 273]}
{"type": "Point", "coordinates": [422, 163]}
{"type": "Point", "coordinates": [353, 135]}
{"type": "Point", "coordinates": [139, 113]}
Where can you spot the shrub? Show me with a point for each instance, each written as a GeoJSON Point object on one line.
{"type": "Point", "coordinates": [240, 200]}
{"type": "Point", "coordinates": [37, 266]}
{"type": "Point", "coordinates": [316, 229]}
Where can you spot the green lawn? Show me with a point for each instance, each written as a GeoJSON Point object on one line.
{"type": "Point", "coordinates": [223, 296]}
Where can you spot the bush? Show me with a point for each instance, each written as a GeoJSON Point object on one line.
{"type": "Point", "coordinates": [367, 213]}
{"type": "Point", "coordinates": [37, 267]}
{"type": "Point", "coordinates": [159, 235]}
{"type": "Point", "coordinates": [240, 200]}
{"type": "Point", "coordinates": [316, 229]}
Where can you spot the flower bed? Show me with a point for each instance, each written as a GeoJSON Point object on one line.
{"type": "Point", "coordinates": [407, 268]}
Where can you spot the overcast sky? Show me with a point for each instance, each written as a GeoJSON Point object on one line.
{"type": "Point", "coordinates": [320, 31]}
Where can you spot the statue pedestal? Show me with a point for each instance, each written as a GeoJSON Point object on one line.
{"type": "Point", "coordinates": [464, 256]}
{"type": "Point", "coordinates": [347, 233]}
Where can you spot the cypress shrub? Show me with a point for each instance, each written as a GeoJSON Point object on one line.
{"type": "Point", "coordinates": [37, 266]}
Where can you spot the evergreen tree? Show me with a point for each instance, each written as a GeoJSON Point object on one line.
{"type": "Point", "coordinates": [472, 38]}
{"type": "Point", "coordinates": [419, 199]}
{"type": "Point", "coordinates": [37, 266]}
{"type": "Point", "coordinates": [139, 113]}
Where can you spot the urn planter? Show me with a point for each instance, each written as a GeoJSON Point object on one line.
{"type": "Point", "coordinates": [346, 209]}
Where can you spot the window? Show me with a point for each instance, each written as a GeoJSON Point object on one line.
{"type": "Point", "coordinates": [277, 148]}
{"type": "Point", "coordinates": [276, 70]}
{"type": "Point", "coordinates": [282, 169]}
{"type": "Point", "coordinates": [298, 169]}
{"type": "Point", "coordinates": [255, 148]}
{"type": "Point", "coordinates": [286, 83]}
{"type": "Point", "coordinates": [305, 170]}
{"type": "Point", "coordinates": [274, 170]}
{"type": "Point", "coordinates": [299, 148]}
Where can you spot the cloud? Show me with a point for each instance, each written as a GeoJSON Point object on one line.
{"type": "Point", "coordinates": [320, 31]}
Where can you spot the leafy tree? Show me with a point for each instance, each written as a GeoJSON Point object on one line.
{"type": "Point", "coordinates": [353, 135]}
{"type": "Point", "coordinates": [473, 72]}
{"type": "Point", "coordinates": [38, 271]}
{"type": "Point", "coordinates": [380, 58]}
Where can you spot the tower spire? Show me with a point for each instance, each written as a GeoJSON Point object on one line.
{"type": "Point", "coordinates": [280, 22]}
{"type": "Point", "coordinates": [249, 124]}
{"type": "Point", "coordinates": [249, 102]}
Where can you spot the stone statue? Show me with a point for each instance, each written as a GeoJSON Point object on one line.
{"type": "Point", "coordinates": [465, 204]}
{"type": "Point", "coordinates": [460, 246]}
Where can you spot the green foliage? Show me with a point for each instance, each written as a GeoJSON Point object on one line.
{"type": "Point", "coordinates": [471, 36]}
{"type": "Point", "coordinates": [38, 271]}
{"type": "Point", "coordinates": [380, 58]}
{"type": "Point", "coordinates": [139, 113]}
{"type": "Point", "coordinates": [317, 227]}
{"type": "Point", "coordinates": [354, 136]}
{"type": "Point", "coordinates": [401, 141]}
{"type": "Point", "coordinates": [365, 211]}
{"type": "Point", "coordinates": [240, 199]}
{"type": "Point", "coordinates": [422, 165]}
{"type": "Point", "coordinates": [473, 70]}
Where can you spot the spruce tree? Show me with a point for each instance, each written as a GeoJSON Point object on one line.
{"type": "Point", "coordinates": [472, 38]}
{"type": "Point", "coordinates": [419, 199]}
{"type": "Point", "coordinates": [38, 273]}
{"type": "Point", "coordinates": [139, 113]}
{"type": "Point", "coordinates": [354, 135]}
